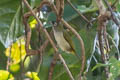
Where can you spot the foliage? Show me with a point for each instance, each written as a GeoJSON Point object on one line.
{"type": "Point", "coordinates": [12, 43]}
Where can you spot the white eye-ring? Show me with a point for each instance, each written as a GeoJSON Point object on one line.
{"type": "Point", "coordinates": [55, 23]}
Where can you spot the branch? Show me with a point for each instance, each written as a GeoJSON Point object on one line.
{"type": "Point", "coordinates": [49, 38]}
{"type": "Point", "coordinates": [52, 65]}
{"type": "Point", "coordinates": [78, 36]}
{"type": "Point", "coordinates": [101, 7]}
{"type": "Point", "coordinates": [81, 44]}
{"type": "Point", "coordinates": [112, 14]}
{"type": "Point", "coordinates": [60, 9]}
{"type": "Point", "coordinates": [9, 58]}
{"type": "Point", "coordinates": [114, 3]}
{"type": "Point", "coordinates": [21, 67]}
{"type": "Point", "coordinates": [102, 22]}
{"type": "Point", "coordinates": [113, 42]}
{"type": "Point", "coordinates": [78, 12]}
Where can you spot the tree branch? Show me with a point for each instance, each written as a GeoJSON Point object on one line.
{"type": "Point", "coordinates": [114, 3]}
{"type": "Point", "coordinates": [78, 12]}
{"type": "Point", "coordinates": [102, 22]}
{"type": "Point", "coordinates": [112, 14]}
{"type": "Point", "coordinates": [78, 36]}
{"type": "Point", "coordinates": [52, 65]}
{"type": "Point", "coordinates": [81, 44]}
{"type": "Point", "coordinates": [9, 58]}
{"type": "Point", "coordinates": [49, 38]}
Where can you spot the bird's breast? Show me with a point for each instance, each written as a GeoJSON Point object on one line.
{"type": "Point", "coordinates": [62, 43]}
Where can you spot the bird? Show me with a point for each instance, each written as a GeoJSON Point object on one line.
{"type": "Point", "coordinates": [63, 39]}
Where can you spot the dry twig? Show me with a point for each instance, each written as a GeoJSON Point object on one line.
{"type": "Point", "coordinates": [79, 38]}
{"type": "Point", "coordinates": [9, 59]}
{"type": "Point", "coordinates": [49, 38]}
{"type": "Point", "coordinates": [79, 12]}
{"type": "Point", "coordinates": [112, 14]}
{"type": "Point", "coordinates": [52, 65]}
{"type": "Point", "coordinates": [102, 22]}
{"type": "Point", "coordinates": [81, 44]}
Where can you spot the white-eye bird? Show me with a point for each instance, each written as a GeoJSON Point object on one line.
{"type": "Point", "coordinates": [63, 38]}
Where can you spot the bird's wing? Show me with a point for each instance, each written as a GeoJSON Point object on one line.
{"type": "Point", "coordinates": [69, 40]}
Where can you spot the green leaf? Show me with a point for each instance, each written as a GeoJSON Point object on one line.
{"type": "Point", "coordinates": [118, 7]}
{"type": "Point", "coordinates": [70, 14]}
{"type": "Point", "coordinates": [68, 9]}
{"type": "Point", "coordinates": [35, 3]}
{"type": "Point", "coordinates": [10, 21]}
{"type": "Point", "coordinates": [88, 37]}
{"type": "Point", "coordinates": [99, 65]}
{"type": "Point", "coordinates": [73, 63]}
{"type": "Point", "coordinates": [82, 2]}
{"type": "Point", "coordinates": [114, 67]}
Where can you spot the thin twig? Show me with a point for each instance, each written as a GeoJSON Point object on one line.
{"type": "Point", "coordinates": [102, 22]}
{"type": "Point", "coordinates": [9, 58]}
{"type": "Point", "coordinates": [92, 54]}
{"type": "Point", "coordinates": [40, 50]}
{"type": "Point", "coordinates": [49, 38]}
{"type": "Point", "coordinates": [60, 9]}
{"type": "Point", "coordinates": [52, 65]}
{"type": "Point", "coordinates": [81, 44]}
{"type": "Point", "coordinates": [80, 39]}
{"type": "Point", "coordinates": [40, 62]}
{"type": "Point", "coordinates": [114, 3]}
{"type": "Point", "coordinates": [78, 12]}
{"type": "Point", "coordinates": [24, 61]}
{"type": "Point", "coordinates": [113, 42]}
{"type": "Point", "coordinates": [101, 7]}
{"type": "Point", "coordinates": [21, 67]}
{"type": "Point", "coordinates": [101, 45]}
{"type": "Point", "coordinates": [106, 43]}
{"type": "Point", "coordinates": [112, 14]}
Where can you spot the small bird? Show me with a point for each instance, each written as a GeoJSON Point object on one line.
{"type": "Point", "coordinates": [63, 39]}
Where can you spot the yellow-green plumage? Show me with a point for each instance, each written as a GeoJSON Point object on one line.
{"type": "Point", "coordinates": [63, 39]}
{"type": "Point", "coordinates": [59, 37]}
{"type": "Point", "coordinates": [69, 40]}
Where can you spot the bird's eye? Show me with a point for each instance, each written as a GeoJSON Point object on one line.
{"type": "Point", "coordinates": [55, 24]}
